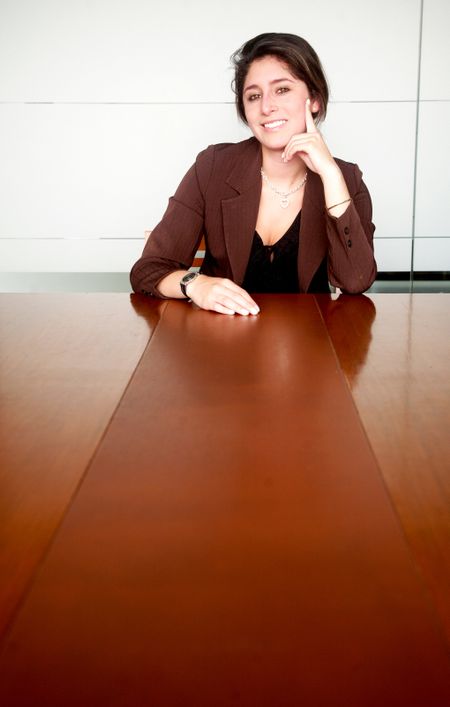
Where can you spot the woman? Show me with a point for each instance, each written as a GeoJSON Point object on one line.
{"type": "Point", "coordinates": [277, 211]}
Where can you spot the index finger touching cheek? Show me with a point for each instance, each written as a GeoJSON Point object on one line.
{"type": "Point", "coordinates": [310, 124]}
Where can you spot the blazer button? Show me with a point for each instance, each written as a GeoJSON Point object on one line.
{"type": "Point", "coordinates": [346, 230]}
{"type": "Point", "coordinates": [349, 243]}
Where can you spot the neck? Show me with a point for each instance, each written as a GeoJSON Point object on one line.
{"type": "Point", "coordinates": [282, 172]}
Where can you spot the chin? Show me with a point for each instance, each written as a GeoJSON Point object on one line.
{"type": "Point", "coordinates": [273, 142]}
{"type": "Point", "coordinates": [275, 145]}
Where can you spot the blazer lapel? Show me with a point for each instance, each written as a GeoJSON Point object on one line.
{"type": "Point", "coordinates": [313, 243]}
{"type": "Point", "coordinates": [240, 212]}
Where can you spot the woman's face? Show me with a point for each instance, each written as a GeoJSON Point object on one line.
{"type": "Point", "coordinates": [274, 102]}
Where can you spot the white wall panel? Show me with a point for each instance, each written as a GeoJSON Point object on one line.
{"type": "Point", "coordinates": [432, 254]}
{"type": "Point", "coordinates": [118, 255]}
{"type": "Point", "coordinates": [94, 170]}
{"type": "Point", "coordinates": [362, 133]}
{"type": "Point", "coordinates": [59, 255]}
{"type": "Point", "coordinates": [435, 63]}
{"type": "Point", "coordinates": [145, 50]}
{"type": "Point", "coordinates": [393, 254]}
{"type": "Point", "coordinates": [433, 170]}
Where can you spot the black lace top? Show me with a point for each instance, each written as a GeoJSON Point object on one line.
{"type": "Point", "coordinates": [273, 268]}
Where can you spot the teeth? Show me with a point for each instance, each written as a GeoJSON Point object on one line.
{"type": "Point", "coordinates": [275, 124]}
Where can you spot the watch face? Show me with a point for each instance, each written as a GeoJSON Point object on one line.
{"type": "Point", "coordinates": [187, 278]}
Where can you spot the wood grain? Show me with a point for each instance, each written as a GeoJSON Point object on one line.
{"type": "Point", "coordinates": [65, 362]}
{"type": "Point", "coordinates": [395, 352]}
{"type": "Point", "coordinates": [232, 542]}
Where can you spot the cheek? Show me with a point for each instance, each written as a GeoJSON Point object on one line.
{"type": "Point", "coordinates": [249, 110]}
{"type": "Point", "coordinates": [301, 115]}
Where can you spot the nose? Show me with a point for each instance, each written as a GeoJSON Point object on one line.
{"type": "Point", "coordinates": [267, 104]}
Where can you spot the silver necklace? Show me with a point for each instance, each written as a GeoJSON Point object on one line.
{"type": "Point", "coordinates": [284, 203]}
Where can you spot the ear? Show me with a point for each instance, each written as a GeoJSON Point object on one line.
{"type": "Point", "coordinates": [315, 105]}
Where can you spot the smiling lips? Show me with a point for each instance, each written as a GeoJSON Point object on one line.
{"type": "Point", "coordinates": [274, 125]}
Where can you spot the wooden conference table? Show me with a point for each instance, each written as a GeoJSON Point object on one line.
{"type": "Point", "coordinates": [206, 510]}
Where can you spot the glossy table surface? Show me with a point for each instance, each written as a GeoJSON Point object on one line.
{"type": "Point", "coordinates": [210, 510]}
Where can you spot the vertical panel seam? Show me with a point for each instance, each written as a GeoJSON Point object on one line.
{"type": "Point", "coordinates": [416, 147]}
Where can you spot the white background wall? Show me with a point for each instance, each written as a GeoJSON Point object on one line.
{"type": "Point", "coordinates": [104, 104]}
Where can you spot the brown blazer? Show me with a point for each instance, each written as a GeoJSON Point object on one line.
{"type": "Point", "coordinates": [219, 198]}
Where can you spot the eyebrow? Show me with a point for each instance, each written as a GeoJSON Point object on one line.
{"type": "Point", "coordinates": [254, 85]}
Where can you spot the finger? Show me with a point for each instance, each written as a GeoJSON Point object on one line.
{"type": "Point", "coordinates": [230, 302]}
{"type": "Point", "coordinates": [241, 297]}
{"type": "Point", "coordinates": [300, 138]}
{"type": "Point", "coordinates": [238, 304]}
{"type": "Point", "coordinates": [301, 144]}
{"type": "Point", "coordinates": [228, 306]}
{"type": "Point", "coordinates": [310, 125]}
{"type": "Point", "coordinates": [245, 304]}
{"type": "Point", "coordinates": [221, 309]}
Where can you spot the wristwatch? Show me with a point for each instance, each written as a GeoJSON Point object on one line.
{"type": "Point", "coordinates": [186, 279]}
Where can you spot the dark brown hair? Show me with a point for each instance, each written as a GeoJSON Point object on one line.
{"type": "Point", "coordinates": [293, 51]}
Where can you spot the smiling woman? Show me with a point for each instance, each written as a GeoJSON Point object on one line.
{"type": "Point", "coordinates": [277, 211]}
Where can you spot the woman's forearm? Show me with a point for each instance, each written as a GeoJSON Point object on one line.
{"type": "Point", "coordinates": [337, 197]}
{"type": "Point", "coordinates": [169, 286]}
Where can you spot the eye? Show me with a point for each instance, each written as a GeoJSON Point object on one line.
{"type": "Point", "coordinates": [253, 96]}
{"type": "Point", "coordinates": [283, 89]}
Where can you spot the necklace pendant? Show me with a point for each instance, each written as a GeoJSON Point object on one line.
{"type": "Point", "coordinates": [284, 203]}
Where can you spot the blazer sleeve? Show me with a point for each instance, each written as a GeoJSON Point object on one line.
{"type": "Point", "coordinates": [351, 262]}
{"type": "Point", "coordinates": [173, 242]}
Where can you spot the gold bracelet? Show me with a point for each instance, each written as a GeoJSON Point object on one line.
{"type": "Point", "coordinates": [339, 204]}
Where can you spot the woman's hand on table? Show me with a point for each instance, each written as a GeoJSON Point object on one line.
{"type": "Point", "coordinates": [220, 295]}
